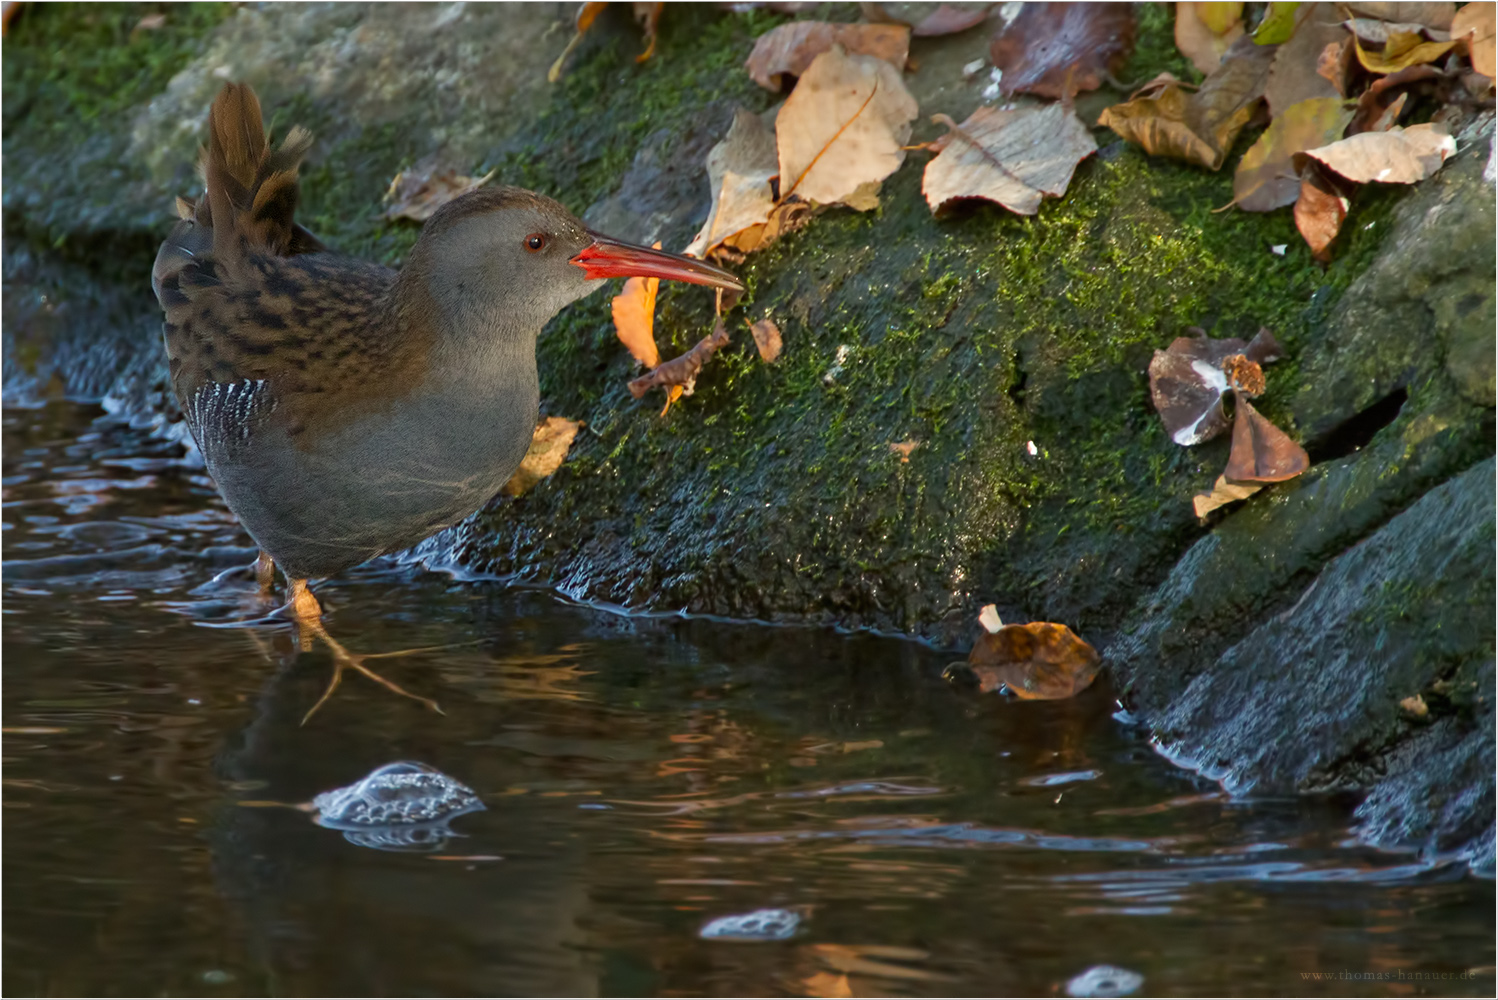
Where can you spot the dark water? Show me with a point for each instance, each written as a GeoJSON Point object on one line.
{"type": "Point", "coordinates": [642, 777]}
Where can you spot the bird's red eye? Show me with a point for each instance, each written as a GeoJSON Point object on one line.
{"type": "Point", "coordinates": [535, 241]}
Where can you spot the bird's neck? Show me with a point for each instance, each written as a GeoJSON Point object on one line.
{"type": "Point", "coordinates": [474, 339]}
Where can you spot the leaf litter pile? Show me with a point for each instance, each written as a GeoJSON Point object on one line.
{"type": "Point", "coordinates": [1348, 94]}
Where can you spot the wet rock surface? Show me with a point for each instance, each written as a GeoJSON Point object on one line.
{"type": "Point", "coordinates": [1014, 350]}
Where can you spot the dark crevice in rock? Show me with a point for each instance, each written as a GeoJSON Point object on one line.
{"type": "Point", "coordinates": [1355, 433]}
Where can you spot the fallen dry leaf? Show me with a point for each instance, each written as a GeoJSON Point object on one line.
{"type": "Point", "coordinates": [586, 14]}
{"type": "Point", "coordinates": [649, 17]}
{"type": "Point", "coordinates": [1205, 30]}
{"type": "Point", "coordinates": [842, 130]}
{"type": "Point", "coordinates": [1415, 704]}
{"type": "Point", "coordinates": [682, 372]}
{"type": "Point", "coordinates": [1320, 209]}
{"type": "Point", "coordinates": [1402, 50]}
{"type": "Point", "coordinates": [904, 448]}
{"type": "Point", "coordinates": [1041, 660]}
{"type": "Point", "coordinates": [1061, 49]}
{"type": "Point", "coordinates": [1430, 15]}
{"type": "Point", "coordinates": [1398, 156]}
{"type": "Point", "coordinates": [1339, 66]}
{"type": "Point", "coordinates": [1294, 74]}
{"type": "Point", "coordinates": [151, 22]}
{"type": "Point", "coordinates": [791, 48]}
{"type": "Point", "coordinates": [1188, 380]}
{"type": "Point", "coordinates": [739, 170]}
{"type": "Point", "coordinates": [634, 318]}
{"type": "Point", "coordinates": [1474, 23]}
{"type": "Point", "coordinates": [1261, 453]}
{"type": "Point", "coordinates": [418, 193]}
{"type": "Point", "coordinates": [1198, 128]}
{"type": "Point", "coordinates": [766, 338]}
{"type": "Point", "coordinates": [1373, 112]}
{"type": "Point", "coordinates": [1013, 157]}
{"type": "Point", "coordinates": [1266, 178]}
{"type": "Point", "coordinates": [548, 449]}
{"type": "Point", "coordinates": [1223, 493]}
{"type": "Point", "coordinates": [1058, 50]}
{"type": "Point", "coordinates": [1278, 22]}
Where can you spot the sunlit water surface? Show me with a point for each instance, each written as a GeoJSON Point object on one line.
{"type": "Point", "coordinates": [642, 777]}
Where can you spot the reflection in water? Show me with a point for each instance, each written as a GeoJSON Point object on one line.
{"type": "Point", "coordinates": [643, 778]}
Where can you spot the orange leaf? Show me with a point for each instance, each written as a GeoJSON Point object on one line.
{"type": "Point", "coordinates": [634, 318]}
{"type": "Point", "coordinates": [1041, 660]}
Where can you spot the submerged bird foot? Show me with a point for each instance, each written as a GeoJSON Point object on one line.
{"type": "Point", "coordinates": [303, 606]}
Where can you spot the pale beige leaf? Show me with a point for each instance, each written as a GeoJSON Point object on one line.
{"type": "Point", "coordinates": [739, 170]}
{"type": "Point", "coordinates": [1475, 22]}
{"type": "Point", "coordinates": [1431, 15]}
{"type": "Point", "coordinates": [418, 193]}
{"type": "Point", "coordinates": [1011, 157]}
{"type": "Point", "coordinates": [1223, 493]}
{"type": "Point", "coordinates": [1293, 76]}
{"type": "Point", "coordinates": [1205, 30]}
{"type": "Point", "coordinates": [766, 338]}
{"type": "Point", "coordinates": [842, 127]}
{"type": "Point", "coordinates": [549, 445]}
{"type": "Point", "coordinates": [1398, 156]}
{"type": "Point", "coordinates": [791, 48]}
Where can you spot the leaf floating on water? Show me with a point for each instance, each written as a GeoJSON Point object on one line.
{"type": "Point", "coordinates": [1204, 31]}
{"type": "Point", "coordinates": [1266, 178]}
{"type": "Point", "coordinates": [842, 130]}
{"type": "Point", "coordinates": [1041, 660]}
{"type": "Point", "coordinates": [791, 48]}
{"type": "Point", "coordinates": [1398, 156]}
{"type": "Point", "coordinates": [1061, 49]}
{"type": "Point", "coordinates": [681, 373]}
{"type": "Point", "coordinates": [1198, 128]}
{"type": "Point", "coordinates": [634, 318]}
{"type": "Point", "coordinates": [549, 445]}
{"type": "Point", "coordinates": [767, 338]}
{"type": "Point", "coordinates": [417, 193]}
{"type": "Point", "coordinates": [1014, 158]}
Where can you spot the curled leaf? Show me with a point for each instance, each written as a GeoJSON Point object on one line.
{"type": "Point", "coordinates": [842, 129]}
{"type": "Point", "coordinates": [586, 14]}
{"type": "Point", "coordinates": [649, 16]}
{"type": "Point", "coordinates": [1474, 24]}
{"type": "Point", "coordinates": [1205, 30]}
{"type": "Point", "coordinates": [1013, 157]}
{"type": "Point", "coordinates": [1189, 378]}
{"type": "Point", "coordinates": [634, 318]}
{"type": "Point", "coordinates": [1223, 493]}
{"type": "Point", "coordinates": [739, 171]}
{"type": "Point", "coordinates": [1262, 453]}
{"type": "Point", "coordinates": [681, 372]}
{"type": "Point", "coordinates": [1378, 108]}
{"type": "Point", "coordinates": [1061, 49]}
{"type": "Point", "coordinates": [766, 338]}
{"type": "Point", "coordinates": [417, 193]}
{"type": "Point", "coordinates": [1041, 660]}
{"type": "Point", "coordinates": [1403, 49]}
{"type": "Point", "coordinates": [791, 48]}
{"type": "Point", "coordinates": [549, 446]}
{"type": "Point", "coordinates": [1266, 178]}
{"type": "Point", "coordinates": [1398, 156]}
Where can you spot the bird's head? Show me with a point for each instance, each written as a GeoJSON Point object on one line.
{"type": "Point", "coordinates": [518, 258]}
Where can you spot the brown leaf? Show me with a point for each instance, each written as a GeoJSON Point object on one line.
{"type": "Point", "coordinates": [766, 338]}
{"type": "Point", "coordinates": [1403, 49]}
{"type": "Point", "coordinates": [682, 371]}
{"type": "Point", "coordinates": [843, 129]}
{"type": "Point", "coordinates": [1295, 73]}
{"type": "Point", "coordinates": [739, 170]}
{"type": "Point", "coordinates": [418, 193]}
{"type": "Point", "coordinates": [1012, 157]}
{"type": "Point", "coordinates": [1262, 453]}
{"type": "Point", "coordinates": [1320, 210]}
{"type": "Point", "coordinates": [791, 48]}
{"type": "Point", "coordinates": [1188, 381]}
{"type": "Point", "coordinates": [945, 19]}
{"type": "Point", "coordinates": [1266, 179]}
{"type": "Point", "coordinates": [1198, 128]}
{"type": "Point", "coordinates": [548, 449]}
{"type": "Point", "coordinates": [1474, 22]}
{"type": "Point", "coordinates": [1041, 660]}
{"type": "Point", "coordinates": [1223, 492]}
{"type": "Point", "coordinates": [634, 318]}
{"type": "Point", "coordinates": [587, 13]}
{"type": "Point", "coordinates": [1373, 113]}
{"type": "Point", "coordinates": [1339, 66]}
{"type": "Point", "coordinates": [1205, 30]}
{"type": "Point", "coordinates": [649, 17]}
{"type": "Point", "coordinates": [1398, 156]}
{"type": "Point", "coordinates": [1430, 15]}
{"type": "Point", "coordinates": [1061, 49]}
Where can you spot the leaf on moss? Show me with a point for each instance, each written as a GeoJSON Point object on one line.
{"type": "Point", "coordinates": [417, 193]}
{"type": "Point", "coordinates": [681, 372]}
{"type": "Point", "coordinates": [1205, 30]}
{"type": "Point", "coordinates": [1198, 128]}
{"type": "Point", "coordinates": [1320, 209]}
{"type": "Point", "coordinates": [1474, 24]}
{"type": "Point", "coordinates": [1379, 106]}
{"type": "Point", "coordinates": [1398, 156]}
{"type": "Point", "coordinates": [1061, 49]}
{"type": "Point", "coordinates": [1339, 66]}
{"type": "Point", "coordinates": [1430, 15]}
{"type": "Point", "coordinates": [1295, 73]}
{"type": "Point", "coordinates": [767, 338]}
{"type": "Point", "coordinates": [1262, 453]}
{"type": "Point", "coordinates": [1188, 381]}
{"type": "Point", "coordinates": [1266, 178]}
{"type": "Point", "coordinates": [549, 446]}
{"type": "Point", "coordinates": [791, 48]}
{"type": "Point", "coordinates": [739, 172]}
{"type": "Point", "coordinates": [1223, 493]}
{"type": "Point", "coordinates": [634, 318]}
{"type": "Point", "coordinates": [842, 130]}
{"type": "Point", "coordinates": [1403, 49]}
{"type": "Point", "coordinates": [1013, 157]}
{"type": "Point", "coordinates": [904, 448]}
{"type": "Point", "coordinates": [1278, 23]}
{"type": "Point", "coordinates": [1041, 660]}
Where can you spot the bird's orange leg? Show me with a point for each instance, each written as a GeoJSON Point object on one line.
{"type": "Point", "coordinates": [308, 613]}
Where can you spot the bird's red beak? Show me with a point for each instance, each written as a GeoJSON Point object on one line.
{"type": "Point", "coordinates": [611, 258]}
